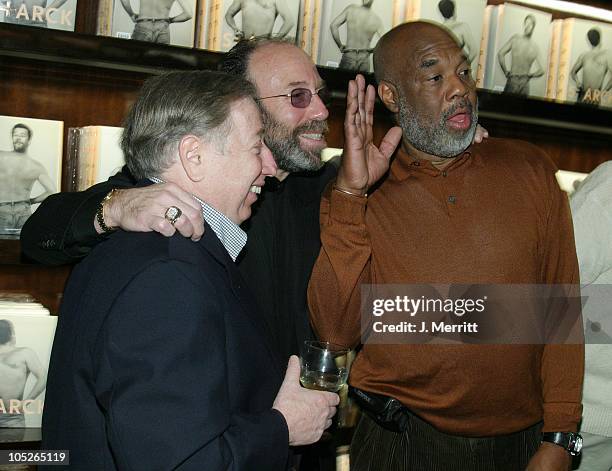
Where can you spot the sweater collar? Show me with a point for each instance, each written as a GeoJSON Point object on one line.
{"type": "Point", "coordinates": [405, 165]}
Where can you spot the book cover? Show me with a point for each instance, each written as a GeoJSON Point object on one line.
{"type": "Point", "coordinates": [30, 167]}
{"type": "Point", "coordinates": [244, 19]}
{"type": "Point", "coordinates": [168, 22]}
{"type": "Point", "coordinates": [26, 337]}
{"type": "Point", "coordinates": [350, 30]}
{"type": "Point", "coordinates": [517, 57]}
{"type": "Point", "coordinates": [99, 155]}
{"type": "Point", "coordinates": [56, 14]}
{"type": "Point", "coordinates": [463, 18]}
{"type": "Point", "coordinates": [585, 74]}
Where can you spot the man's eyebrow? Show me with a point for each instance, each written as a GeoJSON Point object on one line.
{"type": "Point", "coordinates": [295, 84]}
{"type": "Point", "coordinates": [426, 63]}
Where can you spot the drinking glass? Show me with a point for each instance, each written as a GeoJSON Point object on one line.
{"type": "Point", "coordinates": [324, 365]}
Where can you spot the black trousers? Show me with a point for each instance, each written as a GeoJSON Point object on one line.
{"type": "Point", "coordinates": [423, 448]}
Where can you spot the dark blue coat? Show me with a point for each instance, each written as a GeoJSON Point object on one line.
{"type": "Point", "coordinates": [161, 361]}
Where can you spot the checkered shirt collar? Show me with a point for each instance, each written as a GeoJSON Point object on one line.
{"type": "Point", "coordinates": [229, 233]}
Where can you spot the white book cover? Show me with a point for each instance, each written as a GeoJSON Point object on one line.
{"type": "Point", "coordinates": [25, 348]}
{"type": "Point", "coordinates": [166, 22]}
{"type": "Point", "coordinates": [521, 48]}
{"type": "Point", "coordinates": [350, 30]}
{"type": "Point", "coordinates": [464, 18]}
{"type": "Point", "coordinates": [30, 167]}
{"type": "Point", "coordinates": [585, 65]}
{"type": "Point", "coordinates": [57, 14]}
{"type": "Point", "coordinates": [244, 19]}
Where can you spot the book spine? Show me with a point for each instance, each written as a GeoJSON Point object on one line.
{"type": "Point", "coordinates": [413, 10]}
{"type": "Point", "coordinates": [565, 52]}
{"type": "Point", "coordinates": [484, 43]}
{"type": "Point", "coordinates": [201, 24]}
{"type": "Point", "coordinates": [72, 156]}
{"type": "Point", "coordinates": [398, 17]}
{"type": "Point", "coordinates": [105, 14]}
{"type": "Point", "coordinates": [213, 25]}
{"type": "Point", "coordinates": [306, 26]}
{"type": "Point", "coordinates": [553, 59]}
{"type": "Point", "coordinates": [315, 31]}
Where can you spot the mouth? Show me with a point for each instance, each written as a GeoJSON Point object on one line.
{"type": "Point", "coordinates": [460, 120]}
{"type": "Point", "coordinates": [313, 141]}
{"type": "Point", "coordinates": [255, 189]}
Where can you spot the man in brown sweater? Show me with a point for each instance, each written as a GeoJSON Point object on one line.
{"type": "Point", "coordinates": [446, 212]}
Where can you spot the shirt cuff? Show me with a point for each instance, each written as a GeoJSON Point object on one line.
{"type": "Point", "coordinates": [561, 417]}
{"type": "Point", "coordinates": [347, 209]}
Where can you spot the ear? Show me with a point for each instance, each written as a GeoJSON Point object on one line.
{"type": "Point", "coordinates": [191, 150]}
{"type": "Point", "coordinates": [389, 96]}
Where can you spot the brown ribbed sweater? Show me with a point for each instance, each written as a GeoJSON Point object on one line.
{"type": "Point", "coordinates": [495, 215]}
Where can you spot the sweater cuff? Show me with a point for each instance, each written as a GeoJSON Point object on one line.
{"type": "Point", "coordinates": [347, 209]}
{"type": "Point", "coordinates": [82, 228]}
{"type": "Point", "coordinates": [561, 417]}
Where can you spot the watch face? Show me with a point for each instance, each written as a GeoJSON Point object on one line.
{"type": "Point", "coordinates": [578, 444]}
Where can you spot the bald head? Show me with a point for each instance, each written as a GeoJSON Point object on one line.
{"type": "Point", "coordinates": [424, 79]}
{"type": "Point", "coordinates": [400, 48]}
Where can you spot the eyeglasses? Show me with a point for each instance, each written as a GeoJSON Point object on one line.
{"type": "Point", "coordinates": [301, 97]}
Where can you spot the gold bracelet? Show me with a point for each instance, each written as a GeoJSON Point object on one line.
{"type": "Point", "coordinates": [346, 192]}
{"type": "Point", "coordinates": [100, 212]}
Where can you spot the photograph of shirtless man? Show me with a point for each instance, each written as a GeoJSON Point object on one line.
{"type": "Point", "coordinates": [362, 24]}
{"type": "Point", "coordinates": [525, 59]}
{"type": "Point", "coordinates": [18, 173]}
{"type": "Point", "coordinates": [258, 18]}
{"type": "Point", "coordinates": [153, 20]}
{"type": "Point", "coordinates": [590, 70]}
{"type": "Point", "coordinates": [17, 364]}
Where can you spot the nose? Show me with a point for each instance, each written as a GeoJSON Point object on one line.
{"type": "Point", "coordinates": [317, 109]}
{"type": "Point", "coordinates": [268, 164]}
{"type": "Point", "coordinates": [459, 86]}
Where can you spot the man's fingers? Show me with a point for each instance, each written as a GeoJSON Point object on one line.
{"type": "Point", "coordinates": [351, 105]}
{"type": "Point", "coordinates": [293, 370]}
{"type": "Point", "coordinates": [390, 142]}
{"type": "Point", "coordinates": [162, 226]}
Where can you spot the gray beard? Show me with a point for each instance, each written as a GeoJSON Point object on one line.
{"type": "Point", "coordinates": [285, 144]}
{"type": "Point", "coordinates": [435, 139]}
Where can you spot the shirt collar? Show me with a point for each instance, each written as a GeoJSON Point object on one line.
{"type": "Point", "coordinates": [404, 165]}
{"type": "Point", "coordinates": [229, 233]}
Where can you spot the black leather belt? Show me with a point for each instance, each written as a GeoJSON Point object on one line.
{"type": "Point", "coordinates": [386, 411]}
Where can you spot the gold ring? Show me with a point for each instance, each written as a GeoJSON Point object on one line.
{"type": "Point", "coordinates": [172, 214]}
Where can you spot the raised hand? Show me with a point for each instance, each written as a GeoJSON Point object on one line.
{"type": "Point", "coordinates": [363, 164]}
{"type": "Point", "coordinates": [143, 209]}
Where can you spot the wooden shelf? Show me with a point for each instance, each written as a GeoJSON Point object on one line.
{"type": "Point", "coordinates": [85, 50]}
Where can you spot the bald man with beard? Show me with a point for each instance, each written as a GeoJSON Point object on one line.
{"type": "Point", "coordinates": [444, 211]}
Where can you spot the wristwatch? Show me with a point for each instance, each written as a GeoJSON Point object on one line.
{"type": "Point", "coordinates": [100, 212]}
{"type": "Point", "coordinates": [570, 441]}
